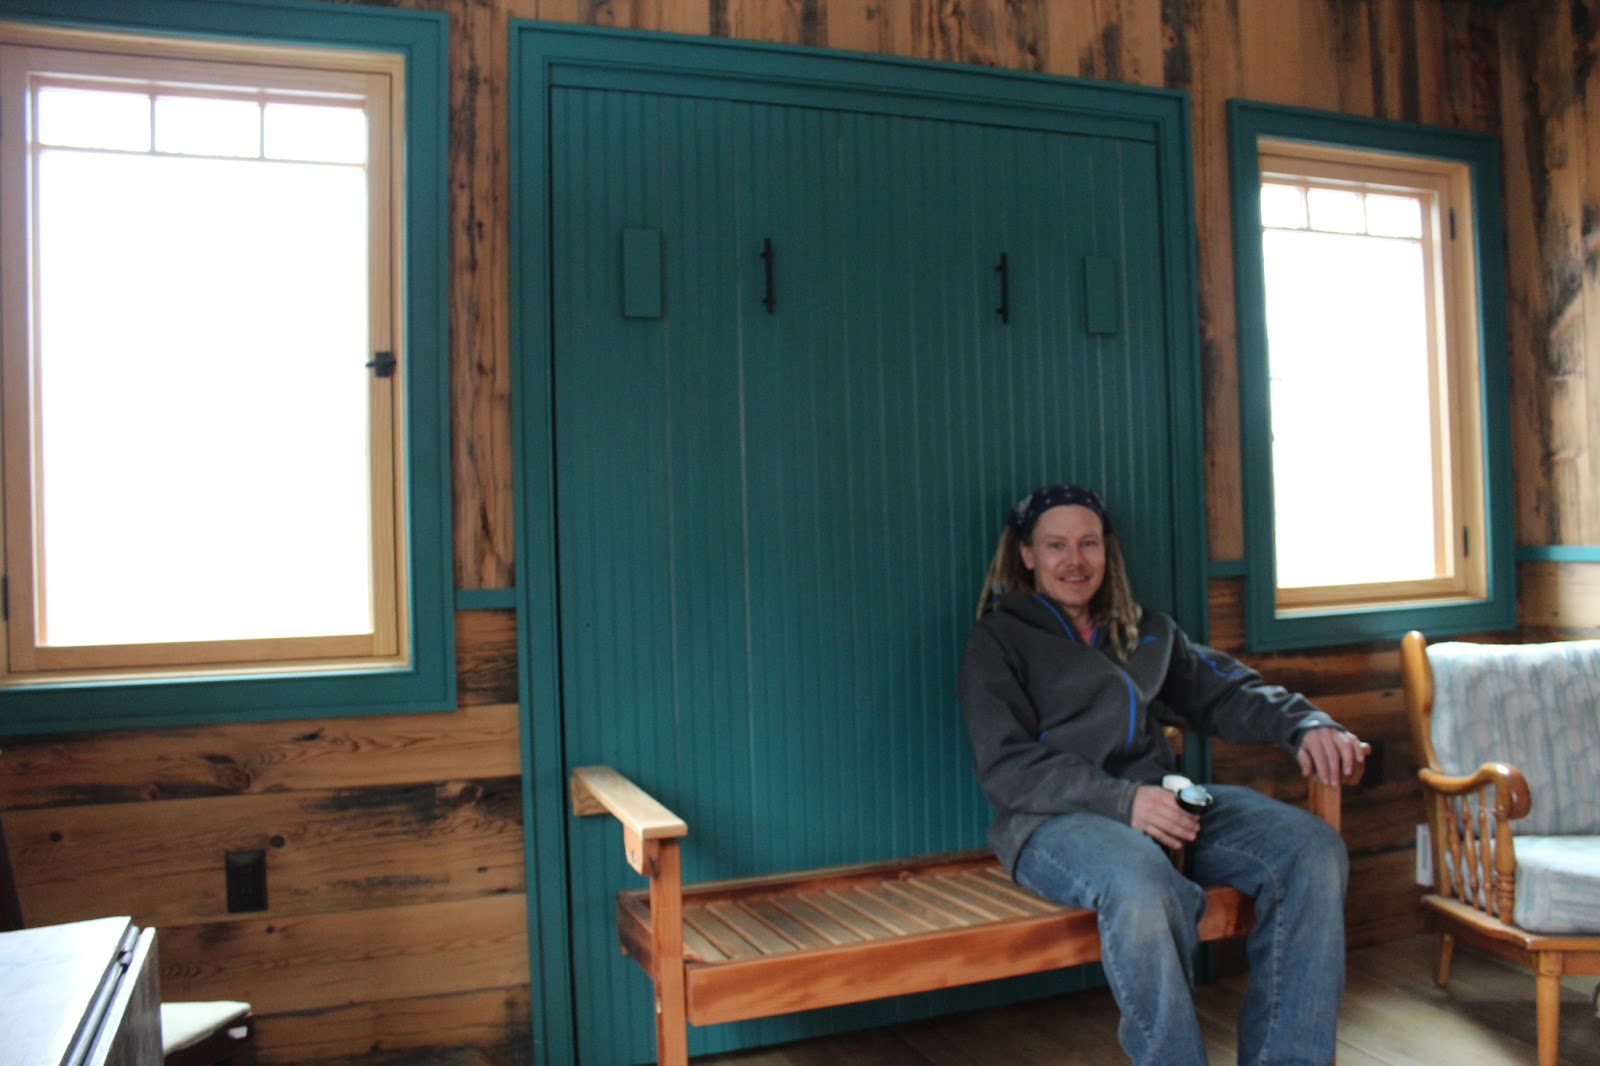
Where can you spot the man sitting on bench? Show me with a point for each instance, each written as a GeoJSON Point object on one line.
{"type": "Point", "coordinates": [1056, 685]}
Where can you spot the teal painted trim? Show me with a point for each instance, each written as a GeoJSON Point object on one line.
{"type": "Point", "coordinates": [533, 482]}
{"type": "Point", "coordinates": [750, 86]}
{"type": "Point", "coordinates": [1560, 553]}
{"type": "Point", "coordinates": [605, 58]}
{"type": "Point", "coordinates": [486, 599]}
{"type": "Point", "coordinates": [1265, 629]}
{"type": "Point", "coordinates": [547, 55]}
{"type": "Point", "coordinates": [1191, 606]}
{"type": "Point", "coordinates": [305, 22]}
{"type": "Point", "coordinates": [1227, 568]}
{"type": "Point", "coordinates": [430, 683]}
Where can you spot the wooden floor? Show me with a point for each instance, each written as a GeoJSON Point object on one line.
{"type": "Point", "coordinates": [1392, 1014]}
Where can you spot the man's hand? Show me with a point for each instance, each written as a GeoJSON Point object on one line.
{"type": "Point", "coordinates": [1331, 753]}
{"type": "Point", "coordinates": [1157, 814]}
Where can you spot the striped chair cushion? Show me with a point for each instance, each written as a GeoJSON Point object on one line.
{"type": "Point", "coordinates": [1558, 884]}
{"type": "Point", "coordinates": [1535, 706]}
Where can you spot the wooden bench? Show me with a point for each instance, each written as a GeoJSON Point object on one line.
{"type": "Point", "coordinates": [723, 951]}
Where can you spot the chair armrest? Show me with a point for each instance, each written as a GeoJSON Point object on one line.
{"type": "Point", "coordinates": [601, 790]}
{"type": "Point", "coordinates": [1512, 799]}
{"type": "Point", "coordinates": [1475, 860]}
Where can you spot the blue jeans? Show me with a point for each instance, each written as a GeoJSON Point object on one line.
{"type": "Point", "coordinates": [1291, 861]}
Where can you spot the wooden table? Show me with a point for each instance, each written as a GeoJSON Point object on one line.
{"type": "Point", "coordinates": [82, 994]}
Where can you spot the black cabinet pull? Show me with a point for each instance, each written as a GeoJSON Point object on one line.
{"type": "Point", "coordinates": [1004, 270]}
{"type": "Point", "coordinates": [771, 298]}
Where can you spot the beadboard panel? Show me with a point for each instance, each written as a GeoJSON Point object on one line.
{"type": "Point", "coordinates": [738, 479]}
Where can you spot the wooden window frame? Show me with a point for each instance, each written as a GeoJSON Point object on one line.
{"type": "Point", "coordinates": [1452, 361]}
{"type": "Point", "coordinates": [408, 662]}
{"type": "Point", "coordinates": [1469, 384]}
{"type": "Point", "coordinates": [89, 58]}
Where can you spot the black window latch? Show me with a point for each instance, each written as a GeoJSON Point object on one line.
{"type": "Point", "coordinates": [382, 364]}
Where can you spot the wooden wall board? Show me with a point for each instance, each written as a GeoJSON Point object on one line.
{"type": "Point", "coordinates": [868, 27]}
{"type": "Point", "coordinates": [1226, 601]}
{"type": "Point", "coordinates": [1273, 40]}
{"type": "Point", "coordinates": [800, 22]}
{"type": "Point", "coordinates": [1522, 160]}
{"type": "Point", "coordinates": [494, 1022]}
{"type": "Point", "coordinates": [1472, 76]}
{"type": "Point", "coordinates": [480, 332]}
{"type": "Point", "coordinates": [1142, 39]}
{"type": "Point", "coordinates": [1559, 595]}
{"type": "Point", "coordinates": [1112, 40]}
{"type": "Point", "coordinates": [1384, 818]}
{"type": "Point", "coordinates": [327, 850]}
{"type": "Point", "coordinates": [166, 764]}
{"type": "Point", "coordinates": [1384, 901]}
{"type": "Point", "coordinates": [486, 657]}
{"type": "Point", "coordinates": [1546, 69]}
{"type": "Point", "coordinates": [1433, 65]}
{"type": "Point", "coordinates": [1583, 126]}
{"type": "Point", "coordinates": [1565, 371]}
{"type": "Point", "coordinates": [311, 961]}
{"type": "Point", "coordinates": [1392, 87]}
{"type": "Point", "coordinates": [1321, 58]}
{"type": "Point", "coordinates": [1203, 57]}
{"type": "Point", "coordinates": [1320, 672]}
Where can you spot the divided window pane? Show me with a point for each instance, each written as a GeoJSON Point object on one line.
{"type": "Point", "coordinates": [1370, 369]}
{"type": "Point", "coordinates": [79, 118]}
{"type": "Point", "coordinates": [214, 468]}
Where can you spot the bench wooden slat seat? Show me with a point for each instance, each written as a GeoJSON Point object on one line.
{"type": "Point", "coordinates": [889, 928]}
{"type": "Point", "coordinates": [722, 951]}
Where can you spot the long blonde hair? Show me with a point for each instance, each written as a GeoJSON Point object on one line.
{"type": "Point", "coordinates": [1112, 608]}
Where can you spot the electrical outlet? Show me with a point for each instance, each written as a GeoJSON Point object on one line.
{"type": "Point", "coordinates": [246, 873]}
{"type": "Point", "coordinates": [1424, 856]}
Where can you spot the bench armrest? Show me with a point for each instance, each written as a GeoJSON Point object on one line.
{"type": "Point", "coordinates": [1326, 801]}
{"type": "Point", "coordinates": [601, 790]}
{"type": "Point", "coordinates": [650, 835]}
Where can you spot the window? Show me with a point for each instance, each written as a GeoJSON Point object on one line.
{"type": "Point", "coordinates": [1372, 378]}
{"type": "Point", "coordinates": [218, 326]}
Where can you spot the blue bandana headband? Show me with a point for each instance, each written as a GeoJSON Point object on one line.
{"type": "Point", "coordinates": [1026, 511]}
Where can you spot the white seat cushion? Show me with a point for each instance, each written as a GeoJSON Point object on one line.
{"type": "Point", "coordinates": [1558, 884]}
{"type": "Point", "coordinates": [183, 1024]}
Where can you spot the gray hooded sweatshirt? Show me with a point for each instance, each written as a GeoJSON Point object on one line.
{"type": "Point", "coordinates": [1059, 725]}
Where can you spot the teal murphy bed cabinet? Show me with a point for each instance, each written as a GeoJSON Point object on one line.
{"type": "Point", "coordinates": [791, 329]}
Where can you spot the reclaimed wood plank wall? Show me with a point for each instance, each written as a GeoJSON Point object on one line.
{"type": "Point", "coordinates": [394, 851]}
{"type": "Point", "coordinates": [396, 918]}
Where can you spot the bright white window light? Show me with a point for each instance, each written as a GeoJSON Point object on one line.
{"type": "Point", "coordinates": [1349, 354]}
{"type": "Point", "coordinates": [93, 118]}
{"type": "Point", "coordinates": [202, 400]}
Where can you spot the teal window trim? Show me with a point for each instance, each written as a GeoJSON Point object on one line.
{"type": "Point", "coordinates": [1559, 553]}
{"type": "Point", "coordinates": [547, 55]}
{"type": "Point", "coordinates": [429, 684]}
{"type": "Point", "coordinates": [486, 599]}
{"type": "Point", "coordinates": [1265, 628]}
